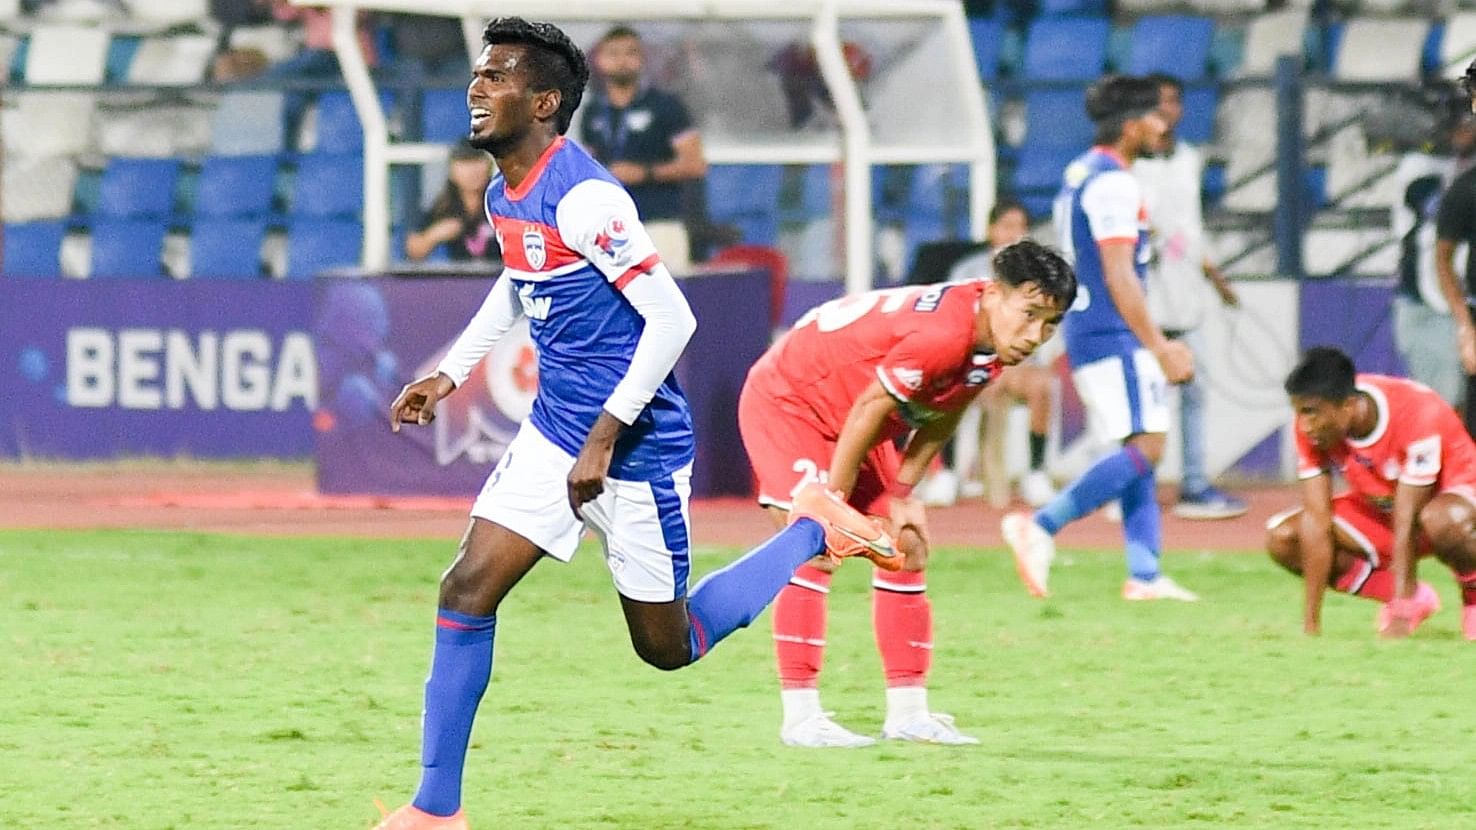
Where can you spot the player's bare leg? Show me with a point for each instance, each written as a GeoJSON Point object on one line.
{"type": "Point", "coordinates": [1449, 522]}
{"type": "Point", "coordinates": [1351, 572]}
{"type": "Point", "coordinates": [902, 619]}
{"type": "Point", "coordinates": [489, 562]}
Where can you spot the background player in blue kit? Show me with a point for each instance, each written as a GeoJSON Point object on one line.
{"type": "Point", "coordinates": [1120, 362]}
{"type": "Point", "coordinates": [609, 441]}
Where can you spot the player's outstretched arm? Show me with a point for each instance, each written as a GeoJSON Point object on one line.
{"type": "Point", "coordinates": [416, 403]}
{"type": "Point", "coordinates": [1409, 500]}
{"type": "Point", "coordinates": [1316, 536]}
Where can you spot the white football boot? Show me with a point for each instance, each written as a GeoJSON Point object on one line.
{"type": "Point", "coordinates": [1161, 587]}
{"type": "Point", "coordinates": [927, 728]}
{"type": "Point", "coordinates": [1034, 550]}
{"type": "Point", "coordinates": [820, 732]}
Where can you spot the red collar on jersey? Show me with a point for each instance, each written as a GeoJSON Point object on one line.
{"type": "Point", "coordinates": [516, 193]}
{"type": "Point", "coordinates": [1111, 152]}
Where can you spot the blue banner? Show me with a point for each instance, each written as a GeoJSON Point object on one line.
{"type": "Point", "coordinates": [95, 370]}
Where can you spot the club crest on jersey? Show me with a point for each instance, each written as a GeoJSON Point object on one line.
{"type": "Point", "coordinates": [533, 248]}
{"type": "Point", "coordinates": [613, 239]}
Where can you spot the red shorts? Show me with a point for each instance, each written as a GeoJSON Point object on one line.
{"type": "Point", "coordinates": [788, 449]}
{"type": "Point", "coordinates": [1370, 529]}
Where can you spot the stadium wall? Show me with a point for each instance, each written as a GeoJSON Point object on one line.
{"type": "Point", "coordinates": [101, 370]}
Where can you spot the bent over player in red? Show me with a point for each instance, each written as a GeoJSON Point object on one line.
{"type": "Point", "coordinates": [1410, 467]}
{"type": "Point", "coordinates": [833, 400]}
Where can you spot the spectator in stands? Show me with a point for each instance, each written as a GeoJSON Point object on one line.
{"type": "Point", "coordinates": [428, 46]}
{"type": "Point", "coordinates": [1455, 225]}
{"type": "Point", "coordinates": [317, 57]}
{"type": "Point", "coordinates": [1028, 383]}
{"type": "Point", "coordinates": [1170, 180]}
{"type": "Point", "coordinates": [458, 216]}
{"type": "Point", "coordinates": [647, 139]}
{"type": "Point", "coordinates": [1423, 324]}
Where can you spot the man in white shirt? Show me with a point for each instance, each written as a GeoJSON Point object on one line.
{"type": "Point", "coordinates": [1170, 181]}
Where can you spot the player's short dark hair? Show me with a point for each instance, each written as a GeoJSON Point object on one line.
{"type": "Point", "coordinates": [1163, 79]}
{"type": "Point", "coordinates": [1468, 80]}
{"type": "Point", "coordinates": [1029, 261]}
{"type": "Point", "coordinates": [1115, 99]}
{"type": "Point", "coordinates": [1324, 372]}
{"type": "Point", "coordinates": [554, 62]}
{"type": "Point", "coordinates": [1005, 205]}
{"type": "Point", "coordinates": [618, 32]}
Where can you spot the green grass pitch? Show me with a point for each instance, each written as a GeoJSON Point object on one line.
{"type": "Point", "coordinates": [159, 681]}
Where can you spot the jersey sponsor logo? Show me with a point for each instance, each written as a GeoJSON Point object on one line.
{"type": "Point", "coordinates": [930, 299]}
{"type": "Point", "coordinates": [536, 308]}
{"type": "Point", "coordinates": [533, 248]}
{"type": "Point", "coordinates": [613, 239]}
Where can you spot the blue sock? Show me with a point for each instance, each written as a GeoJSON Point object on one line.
{"type": "Point", "coordinates": [729, 599]}
{"type": "Point", "coordinates": [1142, 527]}
{"type": "Point", "coordinates": [1105, 480]}
{"type": "Point", "coordinates": [460, 669]}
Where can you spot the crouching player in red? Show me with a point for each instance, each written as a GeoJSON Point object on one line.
{"type": "Point", "coordinates": [832, 401]}
{"type": "Point", "coordinates": [1411, 473]}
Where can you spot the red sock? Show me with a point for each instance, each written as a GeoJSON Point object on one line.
{"type": "Point", "coordinates": [1468, 587]}
{"type": "Point", "coordinates": [903, 620]}
{"type": "Point", "coordinates": [799, 628]}
{"type": "Point", "coordinates": [1363, 580]}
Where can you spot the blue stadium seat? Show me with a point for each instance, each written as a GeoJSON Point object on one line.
{"type": "Point", "coordinates": [223, 248]}
{"type": "Point", "coordinates": [1062, 8]}
{"type": "Point", "coordinates": [33, 249]}
{"type": "Point", "coordinates": [739, 189]}
{"type": "Point", "coordinates": [338, 123]}
{"type": "Point", "coordinates": [987, 35]}
{"type": "Point", "coordinates": [935, 187]}
{"type": "Point", "coordinates": [127, 248]}
{"type": "Point", "coordinates": [443, 115]}
{"type": "Point", "coordinates": [1198, 126]}
{"type": "Point", "coordinates": [1039, 167]}
{"type": "Point", "coordinates": [1175, 44]}
{"type": "Point", "coordinates": [1066, 48]}
{"type": "Point", "coordinates": [1037, 204]}
{"type": "Point", "coordinates": [136, 188]}
{"type": "Point", "coordinates": [236, 186]}
{"type": "Point", "coordinates": [756, 228]}
{"type": "Point", "coordinates": [328, 186]}
{"type": "Point", "coordinates": [315, 245]}
{"type": "Point", "coordinates": [1057, 118]}
{"type": "Point", "coordinates": [815, 197]}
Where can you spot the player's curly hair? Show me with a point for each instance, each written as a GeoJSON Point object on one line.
{"type": "Point", "coordinates": [554, 62]}
{"type": "Point", "coordinates": [1029, 261]}
{"type": "Point", "coordinates": [1324, 372]}
{"type": "Point", "coordinates": [1468, 80]}
{"type": "Point", "coordinates": [1115, 99]}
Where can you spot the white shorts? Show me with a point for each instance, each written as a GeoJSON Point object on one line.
{"type": "Point", "coordinates": [1124, 395]}
{"type": "Point", "coordinates": [643, 525]}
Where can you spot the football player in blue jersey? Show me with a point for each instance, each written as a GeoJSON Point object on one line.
{"type": "Point", "coordinates": [609, 442]}
{"type": "Point", "coordinates": [1120, 362]}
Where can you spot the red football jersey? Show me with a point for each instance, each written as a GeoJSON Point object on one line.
{"type": "Point", "coordinates": [917, 340]}
{"type": "Point", "coordinates": [1418, 440]}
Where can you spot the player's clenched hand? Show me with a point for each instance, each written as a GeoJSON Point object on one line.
{"type": "Point", "coordinates": [909, 514]}
{"type": "Point", "coordinates": [416, 403]}
{"type": "Point", "coordinates": [1177, 361]}
{"type": "Point", "coordinates": [587, 478]}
